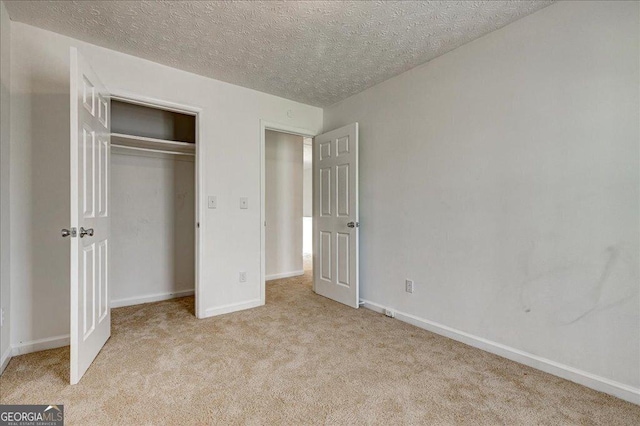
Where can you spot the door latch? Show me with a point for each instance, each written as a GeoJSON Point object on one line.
{"type": "Point", "coordinates": [69, 233]}
{"type": "Point", "coordinates": [353, 224]}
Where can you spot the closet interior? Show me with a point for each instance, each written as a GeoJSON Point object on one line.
{"type": "Point", "coordinates": [153, 216]}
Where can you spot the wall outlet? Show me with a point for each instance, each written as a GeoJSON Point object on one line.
{"type": "Point", "coordinates": [243, 277]}
{"type": "Point", "coordinates": [408, 286]}
{"type": "Point", "coordinates": [389, 313]}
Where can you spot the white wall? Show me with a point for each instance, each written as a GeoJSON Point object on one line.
{"type": "Point", "coordinates": [283, 205]}
{"type": "Point", "coordinates": [307, 235]}
{"type": "Point", "coordinates": [230, 146]}
{"type": "Point", "coordinates": [307, 197]}
{"type": "Point", "coordinates": [503, 178]}
{"type": "Point", "coordinates": [307, 178]}
{"type": "Point", "coordinates": [152, 227]}
{"type": "Point", "coordinates": [5, 259]}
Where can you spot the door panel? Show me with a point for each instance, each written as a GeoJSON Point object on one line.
{"type": "Point", "coordinates": [343, 258]}
{"type": "Point", "coordinates": [325, 192]}
{"type": "Point", "coordinates": [342, 187]}
{"type": "Point", "coordinates": [89, 167]}
{"type": "Point", "coordinates": [335, 170]}
{"type": "Point", "coordinates": [88, 142]}
{"type": "Point", "coordinates": [325, 256]}
{"type": "Point", "coordinates": [103, 169]}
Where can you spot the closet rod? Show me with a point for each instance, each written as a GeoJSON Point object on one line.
{"type": "Point", "coordinates": [153, 150]}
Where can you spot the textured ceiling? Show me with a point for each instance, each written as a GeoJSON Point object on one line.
{"type": "Point", "coordinates": [315, 52]}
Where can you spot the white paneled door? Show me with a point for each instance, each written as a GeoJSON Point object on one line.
{"type": "Point", "coordinates": [90, 221]}
{"type": "Point", "coordinates": [335, 215]}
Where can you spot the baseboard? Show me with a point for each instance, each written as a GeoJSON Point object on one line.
{"type": "Point", "coordinates": [284, 275]}
{"type": "Point", "coordinates": [234, 307]}
{"type": "Point", "coordinates": [599, 383]}
{"type": "Point", "coordinates": [138, 300]}
{"type": "Point", "coordinates": [4, 361]}
{"type": "Point", "coordinates": [39, 345]}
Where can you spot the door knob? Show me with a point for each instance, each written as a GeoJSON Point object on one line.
{"type": "Point", "coordinates": [84, 232]}
{"type": "Point", "coordinates": [353, 224]}
{"type": "Point", "coordinates": [69, 232]}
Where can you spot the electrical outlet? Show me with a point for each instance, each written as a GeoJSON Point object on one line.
{"type": "Point", "coordinates": [408, 286]}
{"type": "Point", "coordinates": [243, 277]}
{"type": "Point", "coordinates": [389, 313]}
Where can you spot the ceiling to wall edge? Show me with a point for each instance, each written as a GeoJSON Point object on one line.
{"type": "Point", "coordinates": [374, 82]}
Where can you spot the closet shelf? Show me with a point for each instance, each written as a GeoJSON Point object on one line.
{"type": "Point", "coordinates": [151, 144]}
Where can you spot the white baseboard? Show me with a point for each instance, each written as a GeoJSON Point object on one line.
{"type": "Point", "coordinates": [234, 307]}
{"type": "Point", "coordinates": [39, 345]}
{"type": "Point", "coordinates": [4, 361]}
{"type": "Point", "coordinates": [599, 383]}
{"type": "Point", "coordinates": [284, 275]}
{"type": "Point", "coordinates": [119, 303]}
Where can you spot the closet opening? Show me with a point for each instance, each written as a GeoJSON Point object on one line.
{"type": "Point", "coordinates": [288, 210]}
{"type": "Point", "coordinates": [154, 211]}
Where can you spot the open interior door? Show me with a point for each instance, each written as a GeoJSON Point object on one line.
{"type": "Point", "coordinates": [335, 215]}
{"type": "Point", "coordinates": [90, 221]}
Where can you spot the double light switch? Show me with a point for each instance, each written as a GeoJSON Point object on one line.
{"type": "Point", "coordinates": [212, 202]}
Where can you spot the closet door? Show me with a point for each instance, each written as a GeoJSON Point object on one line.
{"type": "Point", "coordinates": [90, 221]}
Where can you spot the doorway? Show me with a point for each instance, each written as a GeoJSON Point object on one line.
{"type": "Point", "coordinates": [102, 121]}
{"type": "Point", "coordinates": [335, 211]}
{"type": "Point", "coordinates": [153, 202]}
{"type": "Point", "coordinates": [307, 201]}
{"type": "Point", "coordinates": [286, 203]}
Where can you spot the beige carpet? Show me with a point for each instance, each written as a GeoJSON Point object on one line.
{"type": "Point", "coordinates": [301, 359]}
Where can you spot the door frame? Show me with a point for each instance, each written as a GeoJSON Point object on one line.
{"type": "Point", "coordinates": [282, 128]}
{"type": "Point", "coordinates": [138, 99]}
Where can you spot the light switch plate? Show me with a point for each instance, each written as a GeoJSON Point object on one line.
{"type": "Point", "coordinates": [244, 203]}
{"type": "Point", "coordinates": [408, 286]}
{"type": "Point", "coordinates": [213, 202]}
